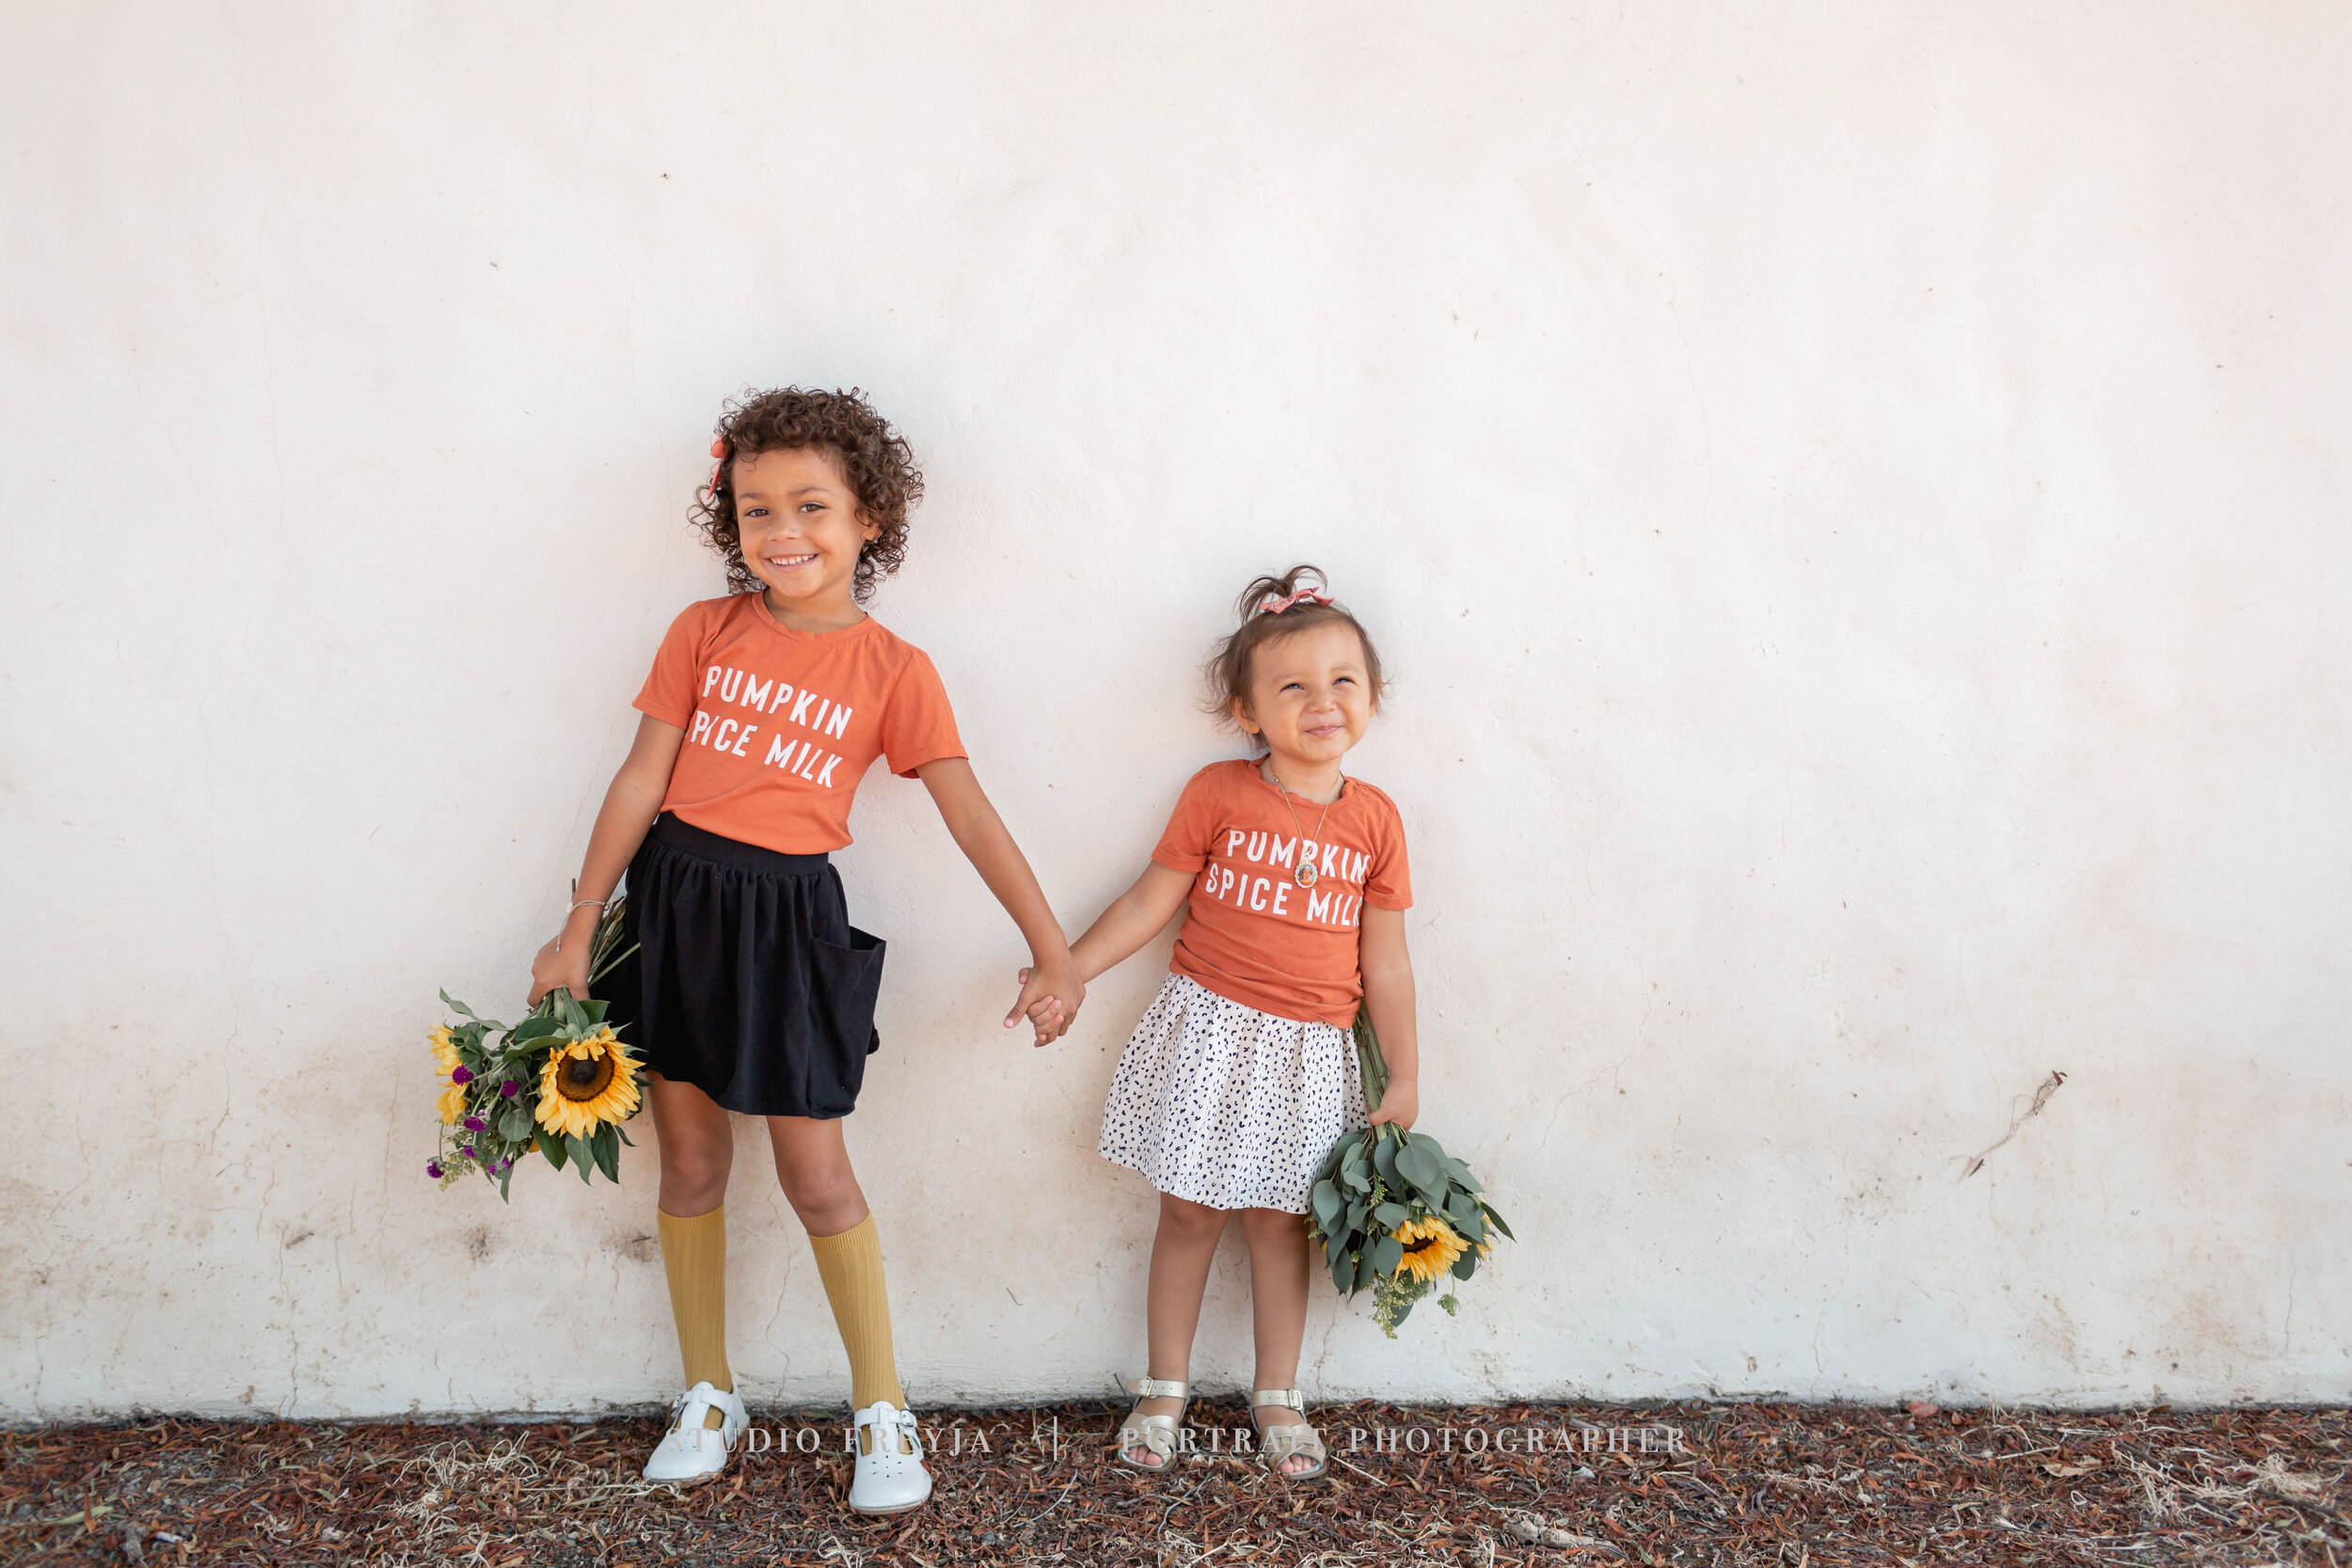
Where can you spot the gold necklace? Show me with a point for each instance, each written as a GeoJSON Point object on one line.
{"type": "Point", "coordinates": [1304, 872]}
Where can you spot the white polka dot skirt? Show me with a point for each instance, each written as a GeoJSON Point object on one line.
{"type": "Point", "coordinates": [1228, 1106]}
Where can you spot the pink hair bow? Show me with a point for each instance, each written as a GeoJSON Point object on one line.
{"type": "Point", "coordinates": [1272, 605]}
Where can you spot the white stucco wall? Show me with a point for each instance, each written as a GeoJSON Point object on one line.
{"type": "Point", "coordinates": [1856, 504]}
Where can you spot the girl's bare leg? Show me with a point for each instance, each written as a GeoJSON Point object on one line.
{"type": "Point", "coordinates": [1182, 1253]}
{"type": "Point", "coordinates": [812, 1168]}
{"type": "Point", "coordinates": [698, 1147]}
{"type": "Point", "coordinates": [1278, 1309]}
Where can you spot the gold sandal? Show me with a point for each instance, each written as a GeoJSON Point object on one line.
{"type": "Point", "coordinates": [1155, 1434]}
{"type": "Point", "coordinates": [1285, 1442]}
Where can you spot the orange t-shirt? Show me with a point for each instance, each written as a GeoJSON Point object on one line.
{"type": "Point", "coordinates": [1251, 933]}
{"type": "Point", "coordinates": [781, 724]}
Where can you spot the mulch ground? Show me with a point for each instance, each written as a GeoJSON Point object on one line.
{"type": "Point", "coordinates": [1720, 1483]}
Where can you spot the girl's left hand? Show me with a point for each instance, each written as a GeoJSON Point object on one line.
{"type": "Point", "coordinates": [1400, 1102]}
{"type": "Point", "coordinates": [1050, 999]}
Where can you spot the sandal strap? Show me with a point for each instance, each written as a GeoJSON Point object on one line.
{"type": "Point", "coordinates": [1156, 1433]}
{"type": "Point", "coordinates": [1290, 1397]}
{"type": "Point", "coordinates": [1160, 1388]}
{"type": "Point", "coordinates": [1279, 1443]}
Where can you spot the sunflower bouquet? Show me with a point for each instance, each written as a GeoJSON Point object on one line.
{"type": "Point", "coordinates": [1394, 1212]}
{"type": "Point", "coordinates": [559, 1082]}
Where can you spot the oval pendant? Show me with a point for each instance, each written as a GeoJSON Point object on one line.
{"type": "Point", "coordinates": [1305, 875]}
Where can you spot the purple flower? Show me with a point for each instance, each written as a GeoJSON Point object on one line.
{"type": "Point", "coordinates": [509, 1089]}
{"type": "Point", "coordinates": [461, 1075]}
{"type": "Point", "coordinates": [504, 1164]}
{"type": "Point", "coordinates": [433, 1169]}
{"type": "Point", "coordinates": [467, 1150]}
{"type": "Point", "coordinates": [475, 1124]}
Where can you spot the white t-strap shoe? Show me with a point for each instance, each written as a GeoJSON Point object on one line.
{"type": "Point", "coordinates": [890, 1474]}
{"type": "Point", "coordinates": [690, 1449]}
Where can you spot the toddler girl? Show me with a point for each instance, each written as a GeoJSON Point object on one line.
{"type": "Point", "coordinates": [1243, 1071]}
{"type": "Point", "coordinates": [751, 991]}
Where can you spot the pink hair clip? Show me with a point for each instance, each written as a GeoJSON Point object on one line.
{"type": "Point", "coordinates": [718, 450]}
{"type": "Point", "coordinates": [1272, 605]}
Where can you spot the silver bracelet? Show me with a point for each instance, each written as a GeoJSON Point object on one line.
{"type": "Point", "coordinates": [598, 902]}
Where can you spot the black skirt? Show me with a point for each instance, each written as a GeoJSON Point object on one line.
{"type": "Point", "coordinates": [749, 982]}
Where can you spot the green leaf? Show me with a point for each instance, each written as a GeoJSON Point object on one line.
{"type": "Point", "coordinates": [1335, 1249]}
{"type": "Point", "coordinates": [454, 1005]}
{"type": "Point", "coordinates": [1384, 1161]}
{"type": "Point", "coordinates": [1414, 1163]}
{"type": "Point", "coordinates": [622, 1133]}
{"type": "Point", "coordinates": [1389, 1215]}
{"type": "Point", "coordinates": [514, 1126]}
{"type": "Point", "coordinates": [1495, 1220]}
{"type": "Point", "coordinates": [1466, 1265]}
{"type": "Point", "coordinates": [1327, 1204]}
{"type": "Point", "coordinates": [594, 1012]}
{"type": "Point", "coordinates": [1386, 1254]}
{"type": "Point", "coordinates": [1462, 1207]}
{"type": "Point", "coordinates": [506, 1179]}
{"type": "Point", "coordinates": [583, 1158]}
{"type": "Point", "coordinates": [1428, 1146]}
{"type": "Point", "coordinates": [532, 1028]}
{"type": "Point", "coordinates": [1355, 1180]}
{"type": "Point", "coordinates": [608, 1150]}
{"type": "Point", "coordinates": [1342, 1272]}
{"type": "Point", "coordinates": [1364, 1273]}
{"type": "Point", "coordinates": [552, 1146]}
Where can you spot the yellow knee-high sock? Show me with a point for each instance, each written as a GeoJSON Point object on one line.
{"type": "Point", "coordinates": [694, 1255]}
{"type": "Point", "coordinates": [850, 1265]}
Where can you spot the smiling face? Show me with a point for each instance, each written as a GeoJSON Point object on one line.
{"type": "Point", "coordinates": [800, 530]}
{"type": "Point", "coordinates": [1310, 694]}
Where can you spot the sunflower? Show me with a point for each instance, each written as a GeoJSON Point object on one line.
{"type": "Point", "coordinates": [451, 1104]}
{"type": "Point", "coordinates": [1431, 1248]}
{"type": "Point", "coordinates": [443, 1042]}
{"type": "Point", "coordinates": [584, 1083]}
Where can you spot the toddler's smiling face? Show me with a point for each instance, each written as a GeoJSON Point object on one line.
{"type": "Point", "coordinates": [1309, 695]}
{"type": "Point", "coordinates": [800, 531]}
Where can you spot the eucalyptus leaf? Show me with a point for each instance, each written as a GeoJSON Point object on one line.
{"type": "Point", "coordinates": [1365, 1273]}
{"type": "Point", "coordinates": [514, 1126]}
{"type": "Point", "coordinates": [1336, 1247]}
{"type": "Point", "coordinates": [1414, 1163]}
{"type": "Point", "coordinates": [1327, 1204]}
{"type": "Point", "coordinates": [1430, 1147]}
{"type": "Point", "coordinates": [1495, 1220]}
{"type": "Point", "coordinates": [1386, 1254]}
{"type": "Point", "coordinates": [1384, 1161]}
{"type": "Point", "coordinates": [1390, 1214]}
{"type": "Point", "coordinates": [1344, 1273]}
{"type": "Point", "coordinates": [1464, 1207]}
{"type": "Point", "coordinates": [1466, 1265]}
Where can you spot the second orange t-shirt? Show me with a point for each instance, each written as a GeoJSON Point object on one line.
{"type": "Point", "coordinates": [1251, 933]}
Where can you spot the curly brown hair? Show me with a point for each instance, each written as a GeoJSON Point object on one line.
{"type": "Point", "coordinates": [874, 458]}
{"type": "Point", "coordinates": [1227, 672]}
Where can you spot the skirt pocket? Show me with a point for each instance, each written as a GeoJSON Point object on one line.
{"type": "Point", "coordinates": [844, 982]}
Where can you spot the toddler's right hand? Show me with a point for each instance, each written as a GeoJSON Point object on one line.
{"type": "Point", "coordinates": [568, 968]}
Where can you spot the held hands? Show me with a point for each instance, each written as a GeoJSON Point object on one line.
{"type": "Point", "coordinates": [1400, 1104]}
{"type": "Point", "coordinates": [1051, 994]}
